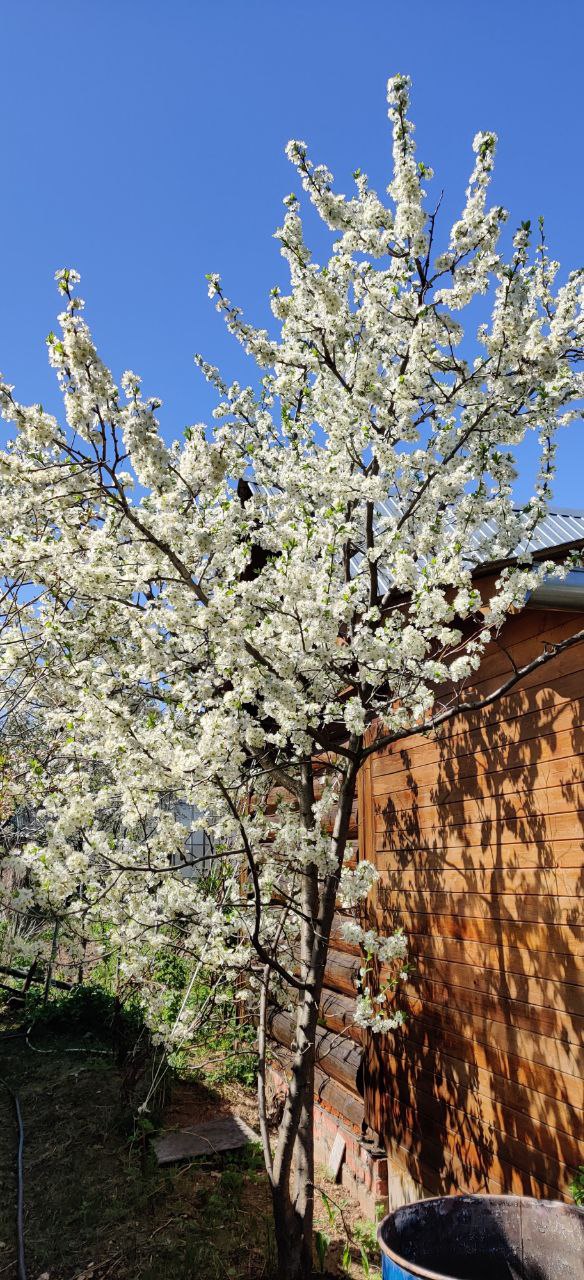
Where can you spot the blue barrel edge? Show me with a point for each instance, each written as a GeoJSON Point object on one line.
{"type": "Point", "coordinates": [391, 1271]}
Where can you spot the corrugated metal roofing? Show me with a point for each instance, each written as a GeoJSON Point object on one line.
{"type": "Point", "coordinates": [557, 529]}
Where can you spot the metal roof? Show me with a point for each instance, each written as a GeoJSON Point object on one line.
{"type": "Point", "coordinates": [560, 528]}
{"type": "Point", "coordinates": [557, 529]}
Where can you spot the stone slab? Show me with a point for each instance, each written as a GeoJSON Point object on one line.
{"type": "Point", "coordinates": [226, 1133]}
{"type": "Point", "coordinates": [336, 1157]}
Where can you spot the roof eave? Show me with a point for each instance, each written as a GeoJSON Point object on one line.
{"type": "Point", "coordinates": [546, 553]}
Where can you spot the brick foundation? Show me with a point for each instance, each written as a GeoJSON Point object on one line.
{"type": "Point", "coordinates": [364, 1171]}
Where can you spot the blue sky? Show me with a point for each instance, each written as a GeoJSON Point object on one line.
{"type": "Point", "coordinates": [143, 142]}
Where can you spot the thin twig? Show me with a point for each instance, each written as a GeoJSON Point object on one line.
{"type": "Point", "coordinates": [178, 1217]}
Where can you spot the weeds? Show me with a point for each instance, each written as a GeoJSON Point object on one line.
{"type": "Point", "coordinates": [96, 1197]}
{"type": "Point", "coordinates": [228, 1053]}
{"type": "Point", "coordinates": [322, 1242]}
{"type": "Point", "coordinates": [85, 1010]}
{"type": "Point", "coordinates": [365, 1234]}
{"type": "Point", "coordinates": [577, 1186]}
{"type": "Point", "coordinates": [360, 1239]}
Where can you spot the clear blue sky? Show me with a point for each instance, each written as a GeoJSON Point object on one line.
{"type": "Point", "coordinates": [142, 143]}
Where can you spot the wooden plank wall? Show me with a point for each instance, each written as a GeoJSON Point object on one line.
{"type": "Point", "coordinates": [339, 1051]}
{"type": "Point", "coordinates": [479, 838]}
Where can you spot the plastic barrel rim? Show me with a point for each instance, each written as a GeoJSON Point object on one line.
{"type": "Point", "coordinates": [483, 1238]}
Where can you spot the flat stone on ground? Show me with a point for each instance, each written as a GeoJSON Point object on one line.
{"type": "Point", "coordinates": [226, 1133]}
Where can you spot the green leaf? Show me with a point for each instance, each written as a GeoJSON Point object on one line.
{"type": "Point", "coordinates": [329, 1208]}
{"type": "Point", "coordinates": [322, 1245]}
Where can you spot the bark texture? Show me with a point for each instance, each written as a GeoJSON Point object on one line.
{"type": "Point", "coordinates": [292, 1168]}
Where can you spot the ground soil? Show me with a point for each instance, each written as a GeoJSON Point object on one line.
{"type": "Point", "coordinates": [97, 1207]}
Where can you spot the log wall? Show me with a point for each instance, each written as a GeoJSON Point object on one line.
{"type": "Point", "coordinates": [478, 834]}
{"type": "Point", "coordinates": [339, 1050]}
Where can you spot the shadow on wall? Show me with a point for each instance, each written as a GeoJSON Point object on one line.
{"type": "Point", "coordinates": [479, 838]}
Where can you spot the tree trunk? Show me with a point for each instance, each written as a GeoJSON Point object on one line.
{"type": "Point", "coordinates": [292, 1174]}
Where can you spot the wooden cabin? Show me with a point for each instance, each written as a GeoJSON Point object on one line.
{"type": "Point", "coordinates": [478, 834]}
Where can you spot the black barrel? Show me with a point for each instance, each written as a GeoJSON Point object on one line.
{"type": "Point", "coordinates": [483, 1238]}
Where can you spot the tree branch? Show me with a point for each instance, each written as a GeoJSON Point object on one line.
{"type": "Point", "coordinates": [477, 704]}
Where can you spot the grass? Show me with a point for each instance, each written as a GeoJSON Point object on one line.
{"type": "Point", "coordinates": [96, 1203]}
{"type": "Point", "coordinates": [97, 1207]}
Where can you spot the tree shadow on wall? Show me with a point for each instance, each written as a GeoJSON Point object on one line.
{"type": "Point", "coordinates": [480, 843]}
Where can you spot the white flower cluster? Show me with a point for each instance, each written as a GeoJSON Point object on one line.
{"type": "Point", "coordinates": [356, 882]}
{"type": "Point", "coordinates": [371, 1014]}
{"type": "Point", "coordinates": [385, 949]}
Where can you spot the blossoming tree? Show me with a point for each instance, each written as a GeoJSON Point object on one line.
{"type": "Point", "coordinates": [222, 619]}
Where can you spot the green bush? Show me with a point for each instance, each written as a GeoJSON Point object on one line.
{"type": "Point", "coordinates": [85, 1009]}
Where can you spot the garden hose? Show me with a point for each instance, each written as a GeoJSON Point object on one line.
{"type": "Point", "coordinates": [20, 1182]}
{"type": "Point", "coordinates": [13, 1035]}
